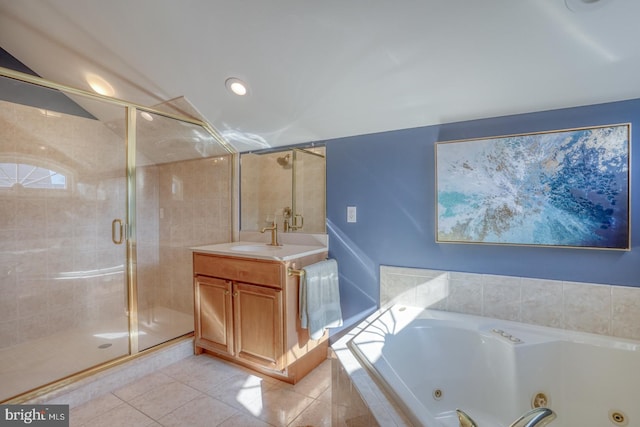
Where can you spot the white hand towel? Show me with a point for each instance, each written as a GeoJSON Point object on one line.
{"type": "Point", "coordinates": [320, 298]}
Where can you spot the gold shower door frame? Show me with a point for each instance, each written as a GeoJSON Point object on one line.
{"type": "Point", "coordinates": [127, 227]}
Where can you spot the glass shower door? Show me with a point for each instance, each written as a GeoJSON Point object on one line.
{"type": "Point", "coordinates": [183, 198]}
{"type": "Point", "coordinates": [99, 205]}
{"type": "Point", "coordinates": [63, 299]}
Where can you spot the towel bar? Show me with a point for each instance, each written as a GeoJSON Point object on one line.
{"type": "Point", "coordinates": [293, 272]}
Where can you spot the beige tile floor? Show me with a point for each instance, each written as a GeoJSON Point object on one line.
{"type": "Point", "coordinates": [206, 391]}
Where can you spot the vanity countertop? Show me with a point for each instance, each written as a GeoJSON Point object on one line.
{"type": "Point", "coordinates": [259, 250]}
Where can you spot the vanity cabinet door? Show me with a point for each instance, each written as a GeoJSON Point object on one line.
{"type": "Point", "coordinates": [214, 314]}
{"type": "Point", "coordinates": [258, 325]}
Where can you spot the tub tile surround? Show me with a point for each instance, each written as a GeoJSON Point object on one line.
{"type": "Point", "coordinates": [358, 400]}
{"type": "Point", "coordinates": [348, 406]}
{"type": "Point", "coordinates": [583, 307]}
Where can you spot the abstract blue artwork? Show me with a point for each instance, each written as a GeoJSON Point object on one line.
{"type": "Point", "coordinates": [567, 188]}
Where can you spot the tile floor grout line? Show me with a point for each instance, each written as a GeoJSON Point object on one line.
{"type": "Point", "coordinates": [146, 415]}
{"type": "Point", "coordinates": [291, 424]}
{"type": "Point", "coordinates": [310, 392]}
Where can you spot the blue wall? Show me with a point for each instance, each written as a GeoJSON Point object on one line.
{"type": "Point", "coordinates": [390, 178]}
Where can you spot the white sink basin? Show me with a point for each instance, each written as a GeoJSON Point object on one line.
{"type": "Point", "coordinates": [260, 250]}
{"type": "Point", "coordinates": [255, 248]}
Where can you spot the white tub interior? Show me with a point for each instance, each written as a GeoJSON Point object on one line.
{"type": "Point", "coordinates": [433, 362]}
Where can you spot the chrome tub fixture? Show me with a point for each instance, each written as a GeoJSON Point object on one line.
{"type": "Point", "coordinates": [465, 420]}
{"type": "Point", "coordinates": [538, 417]}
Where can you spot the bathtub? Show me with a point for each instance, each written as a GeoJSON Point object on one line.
{"type": "Point", "coordinates": [433, 362]}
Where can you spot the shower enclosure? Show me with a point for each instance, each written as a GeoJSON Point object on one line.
{"type": "Point", "coordinates": [99, 205]}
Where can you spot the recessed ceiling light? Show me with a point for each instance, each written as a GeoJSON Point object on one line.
{"type": "Point", "coordinates": [100, 85]}
{"type": "Point", "coordinates": [236, 86]}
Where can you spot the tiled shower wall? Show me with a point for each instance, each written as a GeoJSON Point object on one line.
{"type": "Point", "coordinates": [180, 205]}
{"type": "Point", "coordinates": [56, 245]}
{"type": "Point", "coordinates": [58, 266]}
{"type": "Point", "coordinates": [596, 308]}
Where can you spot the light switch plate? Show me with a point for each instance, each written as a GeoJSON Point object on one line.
{"type": "Point", "coordinates": [351, 214]}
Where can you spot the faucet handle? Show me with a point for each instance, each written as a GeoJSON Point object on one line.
{"type": "Point", "coordinates": [465, 420]}
{"type": "Point", "coordinates": [295, 224]}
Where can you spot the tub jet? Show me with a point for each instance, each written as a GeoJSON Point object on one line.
{"type": "Point", "coordinates": [540, 400]}
{"type": "Point", "coordinates": [618, 418]}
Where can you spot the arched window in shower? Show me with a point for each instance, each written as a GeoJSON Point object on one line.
{"type": "Point", "coordinates": [19, 174]}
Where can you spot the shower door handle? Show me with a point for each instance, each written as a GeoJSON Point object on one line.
{"type": "Point", "coordinates": [117, 228]}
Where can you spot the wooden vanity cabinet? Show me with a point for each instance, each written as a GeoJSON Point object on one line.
{"type": "Point", "coordinates": [214, 313]}
{"type": "Point", "coordinates": [258, 325]}
{"type": "Point", "coordinates": [246, 311]}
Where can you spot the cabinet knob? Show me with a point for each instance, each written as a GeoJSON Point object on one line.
{"type": "Point", "coordinates": [226, 292]}
{"type": "Point", "coordinates": [235, 294]}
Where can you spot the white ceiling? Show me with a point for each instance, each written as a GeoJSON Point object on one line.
{"type": "Point", "coordinates": [325, 69]}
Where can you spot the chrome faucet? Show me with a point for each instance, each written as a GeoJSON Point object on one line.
{"type": "Point", "coordinates": [274, 234]}
{"type": "Point", "coordinates": [538, 417]}
{"type": "Point", "coordinates": [465, 420]}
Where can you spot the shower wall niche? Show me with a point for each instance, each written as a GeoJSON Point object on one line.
{"type": "Point", "coordinates": [76, 291]}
